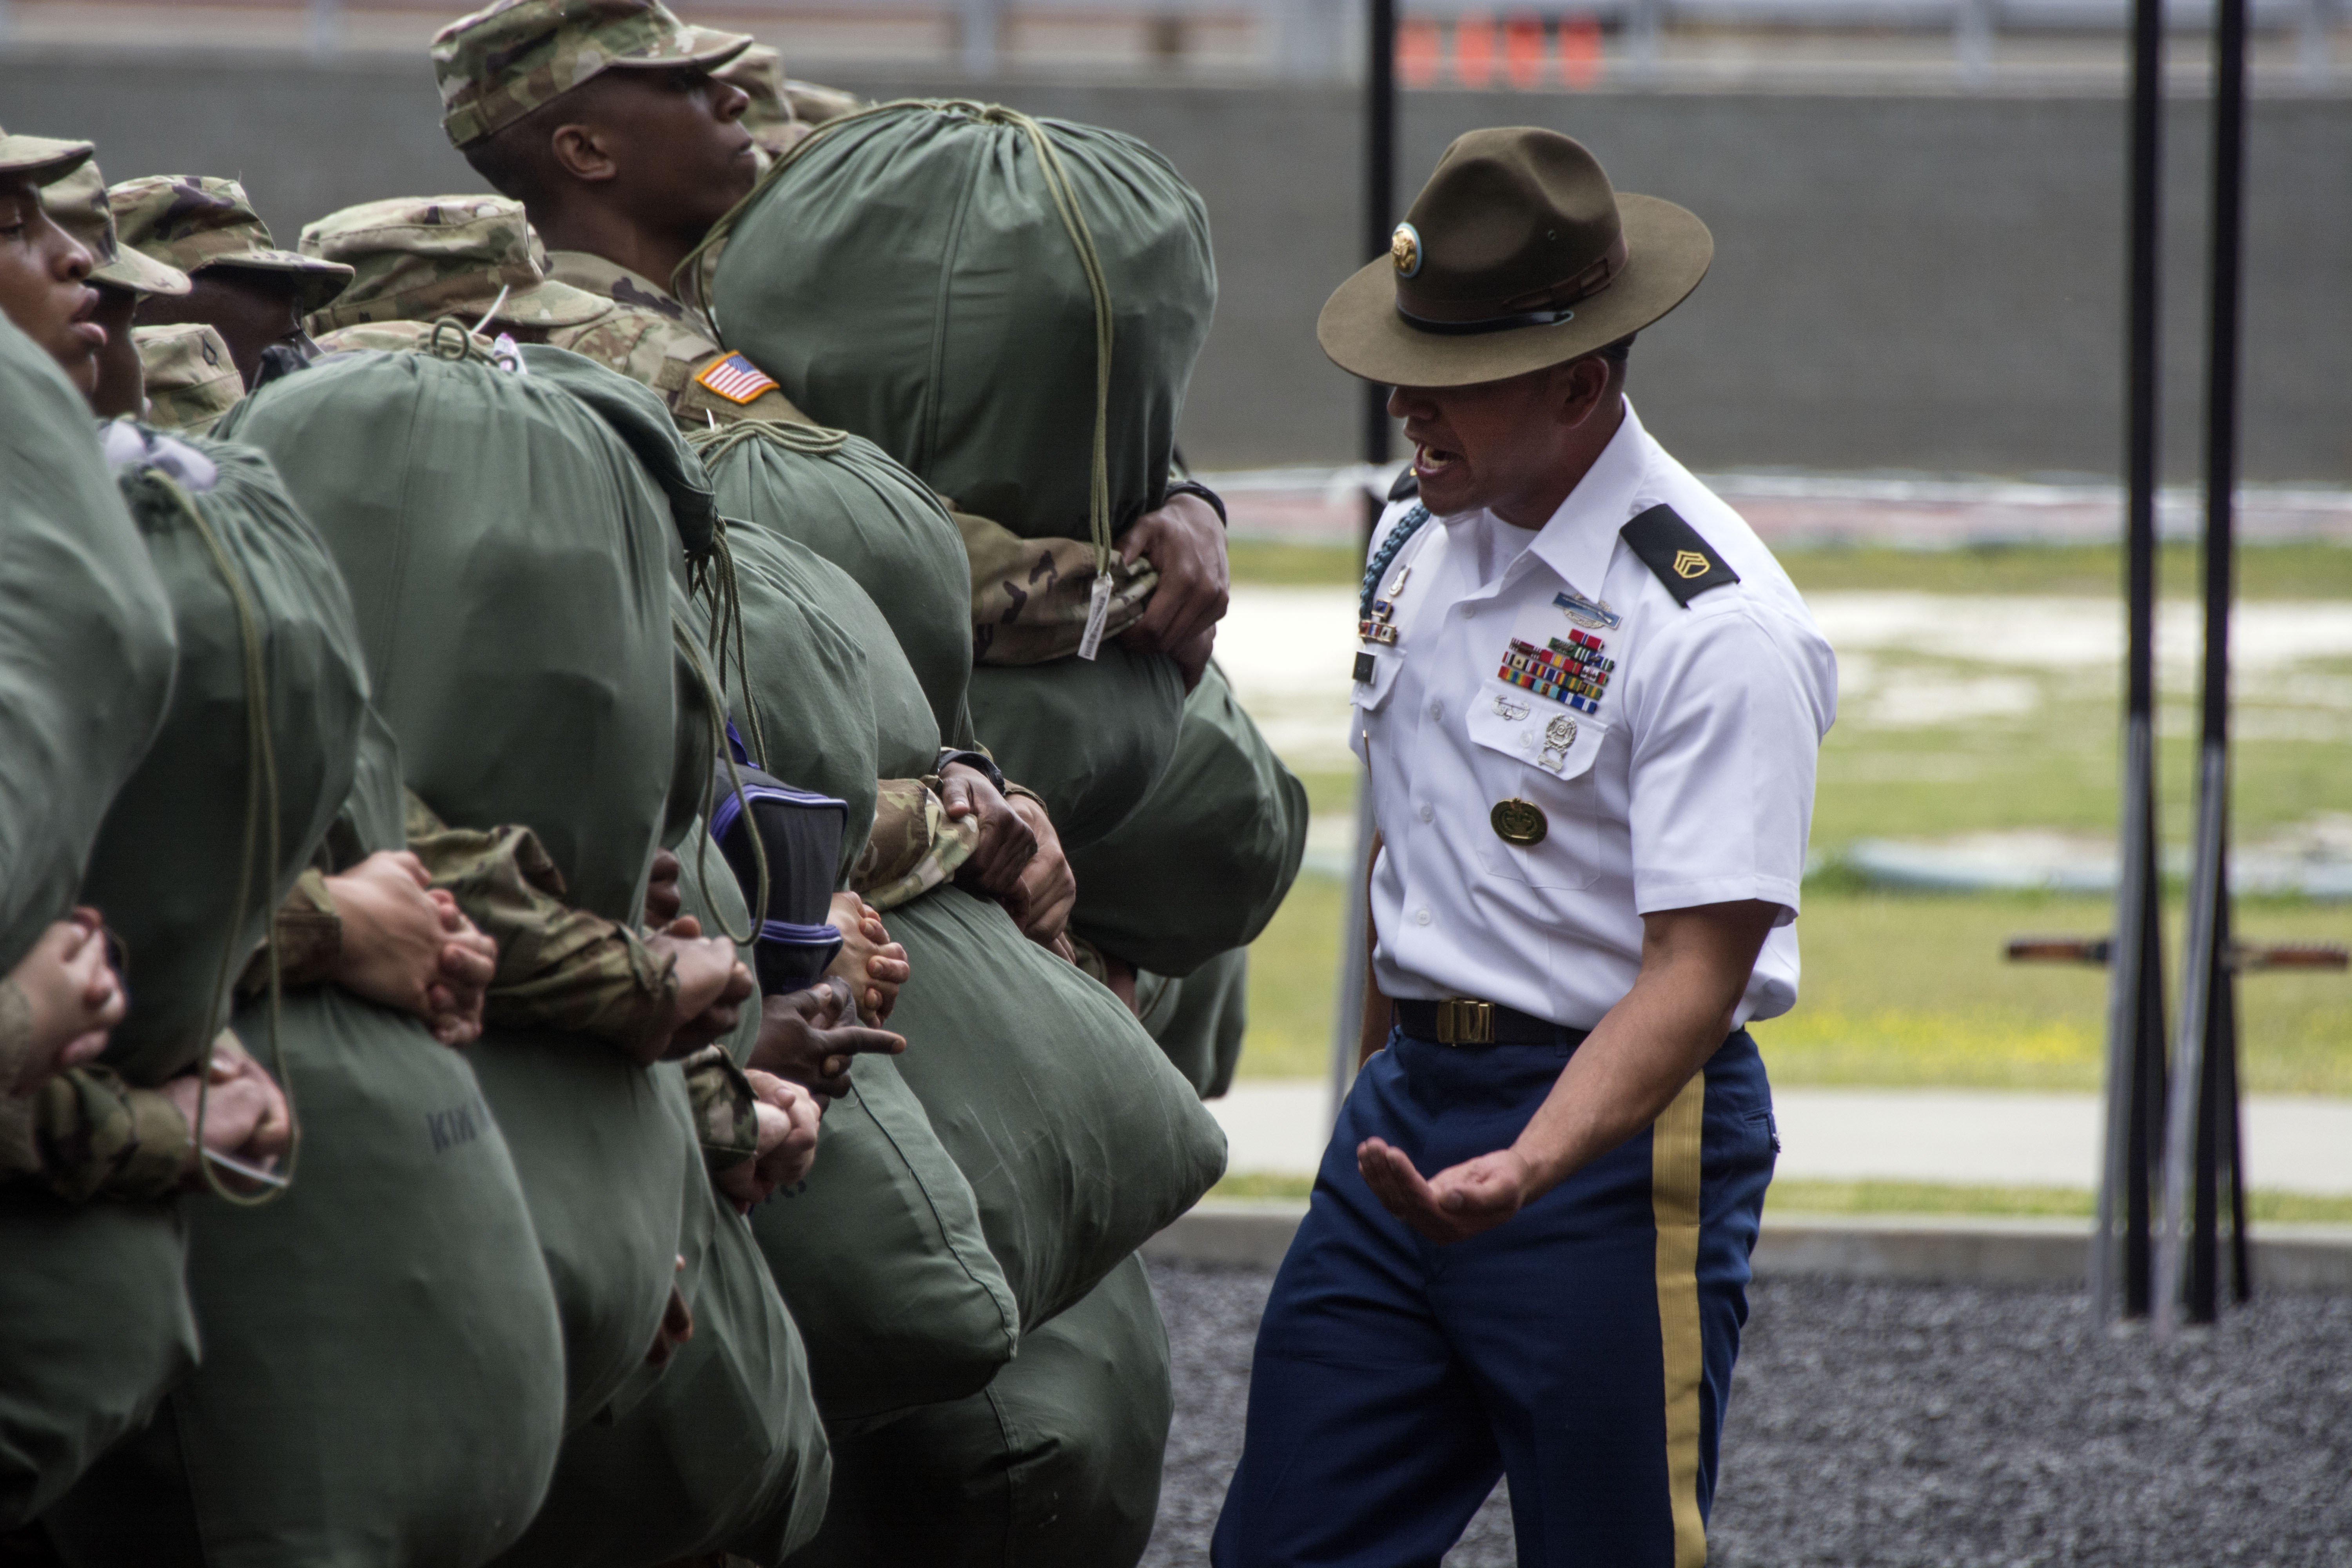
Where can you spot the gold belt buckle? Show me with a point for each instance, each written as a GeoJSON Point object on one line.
{"type": "Point", "coordinates": [1464, 1021]}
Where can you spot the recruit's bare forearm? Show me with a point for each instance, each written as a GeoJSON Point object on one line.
{"type": "Point", "coordinates": [1695, 965]}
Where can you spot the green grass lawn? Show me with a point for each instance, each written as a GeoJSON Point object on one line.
{"type": "Point", "coordinates": [2264, 571]}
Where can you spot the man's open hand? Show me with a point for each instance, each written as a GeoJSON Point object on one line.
{"type": "Point", "coordinates": [804, 1041]}
{"type": "Point", "coordinates": [1459, 1202]}
{"type": "Point", "coordinates": [1185, 542]}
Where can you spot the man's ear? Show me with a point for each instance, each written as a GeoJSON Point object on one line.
{"type": "Point", "coordinates": [579, 150]}
{"type": "Point", "coordinates": [1581, 388]}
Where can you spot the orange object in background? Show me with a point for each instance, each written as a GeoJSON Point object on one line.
{"type": "Point", "coordinates": [1579, 50]}
{"type": "Point", "coordinates": [1473, 50]}
{"type": "Point", "coordinates": [1417, 59]}
{"type": "Point", "coordinates": [1526, 61]}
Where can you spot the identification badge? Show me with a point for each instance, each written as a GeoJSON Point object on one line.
{"type": "Point", "coordinates": [1098, 615]}
{"type": "Point", "coordinates": [1519, 822]}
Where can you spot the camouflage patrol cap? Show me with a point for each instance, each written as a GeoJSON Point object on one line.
{"type": "Point", "coordinates": [41, 159]}
{"type": "Point", "coordinates": [497, 65]}
{"type": "Point", "coordinates": [191, 379]}
{"type": "Point", "coordinates": [417, 259]}
{"type": "Point", "coordinates": [77, 204]}
{"type": "Point", "coordinates": [192, 222]}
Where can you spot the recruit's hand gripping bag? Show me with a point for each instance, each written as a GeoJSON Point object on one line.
{"type": "Point", "coordinates": [383, 1374]}
{"type": "Point", "coordinates": [1209, 855]}
{"type": "Point", "coordinates": [267, 697]}
{"type": "Point", "coordinates": [880, 1253]}
{"type": "Point", "coordinates": [1091, 738]}
{"type": "Point", "coordinates": [512, 560]}
{"type": "Point", "coordinates": [1055, 1465]}
{"type": "Point", "coordinates": [97, 1324]}
{"type": "Point", "coordinates": [1030, 1071]}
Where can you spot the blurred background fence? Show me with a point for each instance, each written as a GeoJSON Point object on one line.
{"type": "Point", "coordinates": [1918, 266]}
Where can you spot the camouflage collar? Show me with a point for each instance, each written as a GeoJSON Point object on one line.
{"type": "Point", "coordinates": [586, 270]}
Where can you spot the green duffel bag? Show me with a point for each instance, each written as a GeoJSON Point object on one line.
{"type": "Point", "coordinates": [382, 1376]}
{"type": "Point", "coordinates": [98, 1322]}
{"type": "Point", "coordinates": [799, 687]}
{"type": "Point", "coordinates": [844, 499]}
{"type": "Point", "coordinates": [723, 1446]}
{"type": "Point", "coordinates": [86, 648]}
{"type": "Point", "coordinates": [516, 560]}
{"type": "Point", "coordinates": [1091, 737]}
{"type": "Point", "coordinates": [1199, 1020]}
{"type": "Point", "coordinates": [1208, 856]}
{"type": "Point", "coordinates": [941, 277]}
{"type": "Point", "coordinates": [1079, 1139]}
{"type": "Point", "coordinates": [266, 704]}
{"type": "Point", "coordinates": [883, 1259]}
{"type": "Point", "coordinates": [1055, 1465]}
{"type": "Point", "coordinates": [98, 1329]}
{"type": "Point", "coordinates": [880, 1255]}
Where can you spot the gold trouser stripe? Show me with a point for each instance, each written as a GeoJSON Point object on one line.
{"type": "Point", "coordinates": [1674, 1202]}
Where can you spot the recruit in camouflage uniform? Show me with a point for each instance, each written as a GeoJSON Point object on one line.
{"type": "Point", "coordinates": [191, 379]}
{"type": "Point", "coordinates": [1029, 596]}
{"type": "Point", "coordinates": [82, 1131]}
{"type": "Point", "coordinates": [420, 259]}
{"type": "Point", "coordinates": [78, 205]}
{"type": "Point", "coordinates": [194, 223]}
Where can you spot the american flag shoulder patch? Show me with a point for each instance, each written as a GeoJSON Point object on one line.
{"type": "Point", "coordinates": [735, 378]}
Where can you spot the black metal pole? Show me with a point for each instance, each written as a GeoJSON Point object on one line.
{"type": "Point", "coordinates": [1379, 217]}
{"type": "Point", "coordinates": [2205, 1083]}
{"type": "Point", "coordinates": [2136, 1038]}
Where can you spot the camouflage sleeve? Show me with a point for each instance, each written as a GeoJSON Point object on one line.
{"type": "Point", "coordinates": [914, 847]}
{"type": "Point", "coordinates": [726, 1113]}
{"type": "Point", "coordinates": [18, 1153]}
{"type": "Point", "coordinates": [307, 934]}
{"type": "Point", "coordinates": [1029, 596]}
{"type": "Point", "coordinates": [98, 1137]}
{"type": "Point", "coordinates": [559, 968]}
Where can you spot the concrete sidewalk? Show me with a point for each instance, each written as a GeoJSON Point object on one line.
{"type": "Point", "coordinates": [1960, 1136]}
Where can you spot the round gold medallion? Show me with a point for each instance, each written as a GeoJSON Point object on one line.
{"type": "Point", "coordinates": [1404, 250]}
{"type": "Point", "coordinates": [1519, 822]}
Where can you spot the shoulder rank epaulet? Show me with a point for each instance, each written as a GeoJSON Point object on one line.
{"type": "Point", "coordinates": [1407, 484]}
{"type": "Point", "coordinates": [1671, 548]}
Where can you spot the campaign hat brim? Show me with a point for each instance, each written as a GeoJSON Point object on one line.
{"type": "Point", "coordinates": [1667, 251]}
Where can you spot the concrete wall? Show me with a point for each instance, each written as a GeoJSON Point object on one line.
{"type": "Point", "coordinates": [1925, 283]}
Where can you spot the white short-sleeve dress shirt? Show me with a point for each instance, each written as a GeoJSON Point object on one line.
{"type": "Point", "coordinates": [1669, 748]}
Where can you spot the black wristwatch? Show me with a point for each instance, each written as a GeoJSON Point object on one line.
{"type": "Point", "coordinates": [1195, 488]}
{"type": "Point", "coordinates": [980, 763]}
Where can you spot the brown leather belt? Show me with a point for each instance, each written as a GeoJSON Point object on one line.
{"type": "Point", "coordinates": [1465, 1021]}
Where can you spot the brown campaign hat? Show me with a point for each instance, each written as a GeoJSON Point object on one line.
{"type": "Point", "coordinates": [1517, 255]}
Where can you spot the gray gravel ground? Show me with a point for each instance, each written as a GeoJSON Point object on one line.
{"type": "Point", "coordinates": [1916, 1426]}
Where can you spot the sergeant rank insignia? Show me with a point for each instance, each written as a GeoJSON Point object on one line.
{"type": "Point", "coordinates": [736, 379]}
{"type": "Point", "coordinates": [1572, 671]}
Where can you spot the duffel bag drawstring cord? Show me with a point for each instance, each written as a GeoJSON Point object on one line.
{"type": "Point", "coordinates": [261, 822]}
